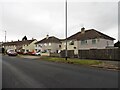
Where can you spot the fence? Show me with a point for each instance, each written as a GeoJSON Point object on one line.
{"type": "Point", "coordinates": [54, 54]}
{"type": "Point", "coordinates": [106, 54]}
{"type": "Point", "coordinates": [70, 53]}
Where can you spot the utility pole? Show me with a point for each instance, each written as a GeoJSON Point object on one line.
{"type": "Point", "coordinates": [66, 53]}
{"type": "Point", "coordinates": [5, 36]}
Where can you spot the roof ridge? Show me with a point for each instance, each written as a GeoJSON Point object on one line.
{"type": "Point", "coordinates": [89, 34]}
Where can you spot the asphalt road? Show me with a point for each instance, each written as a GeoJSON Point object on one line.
{"type": "Point", "coordinates": [32, 73]}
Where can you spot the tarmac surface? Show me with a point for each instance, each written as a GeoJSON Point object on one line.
{"type": "Point", "coordinates": [20, 72]}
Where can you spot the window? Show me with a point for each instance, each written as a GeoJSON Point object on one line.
{"type": "Point", "coordinates": [83, 42]}
{"type": "Point", "coordinates": [44, 51]}
{"type": "Point", "coordinates": [74, 47]}
{"type": "Point", "coordinates": [39, 45]}
{"type": "Point", "coordinates": [93, 41]}
{"type": "Point", "coordinates": [71, 43]}
{"type": "Point", "coordinates": [98, 39]}
{"type": "Point", "coordinates": [49, 44]}
{"type": "Point", "coordinates": [45, 44]}
{"type": "Point", "coordinates": [59, 46]}
{"type": "Point", "coordinates": [107, 43]}
{"type": "Point", "coordinates": [23, 50]}
{"type": "Point", "coordinates": [27, 50]}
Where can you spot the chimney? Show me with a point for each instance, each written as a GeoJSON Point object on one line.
{"type": "Point", "coordinates": [82, 30]}
{"type": "Point", "coordinates": [47, 36]}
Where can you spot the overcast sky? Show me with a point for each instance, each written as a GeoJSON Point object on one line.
{"type": "Point", "coordinates": [36, 19]}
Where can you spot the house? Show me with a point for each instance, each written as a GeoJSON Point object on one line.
{"type": "Point", "coordinates": [48, 44]}
{"type": "Point", "coordinates": [87, 39]}
{"type": "Point", "coordinates": [20, 46]}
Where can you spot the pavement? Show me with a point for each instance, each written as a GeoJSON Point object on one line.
{"type": "Point", "coordinates": [28, 73]}
{"type": "Point", "coordinates": [29, 56]}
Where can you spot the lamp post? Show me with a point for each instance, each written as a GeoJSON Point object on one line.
{"type": "Point", "coordinates": [66, 53]}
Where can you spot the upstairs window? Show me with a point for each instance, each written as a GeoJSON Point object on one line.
{"type": "Point", "coordinates": [93, 41]}
{"type": "Point", "coordinates": [45, 44]}
{"type": "Point", "coordinates": [83, 42]}
{"type": "Point", "coordinates": [49, 44]}
{"type": "Point", "coordinates": [98, 40]}
{"type": "Point", "coordinates": [39, 45]}
{"type": "Point", "coordinates": [59, 46]}
{"type": "Point", "coordinates": [71, 43]}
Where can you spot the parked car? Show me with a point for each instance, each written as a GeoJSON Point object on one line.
{"type": "Point", "coordinates": [36, 53]}
{"type": "Point", "coordinates": [11, 52]}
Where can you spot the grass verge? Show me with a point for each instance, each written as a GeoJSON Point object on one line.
{"type": "Point", "coordinates": [72, 61]}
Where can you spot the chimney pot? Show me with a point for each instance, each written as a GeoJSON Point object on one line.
{"type": "Point", "coordinates": [82, 30]}
{"type": "Point", "coordinates": [47, 36]}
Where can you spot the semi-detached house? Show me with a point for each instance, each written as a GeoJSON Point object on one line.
{"type": "Point", "coordinates": [48, 44]}
{"type": "Point", "coordinates": [20, 46]}
{"type": "Point", "coordinates": [87, 39]}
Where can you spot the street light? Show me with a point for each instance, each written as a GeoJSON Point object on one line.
{"type": "Point", "coordinates": [66, 53]}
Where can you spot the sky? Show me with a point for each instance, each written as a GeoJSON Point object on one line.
{"type": "Point", "coordinates": [37, 18]}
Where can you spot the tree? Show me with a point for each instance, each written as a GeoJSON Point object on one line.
{"type": "Point", "coordinates": [24, 38]}
{"type": "Point", "coordinates": [117, 44]}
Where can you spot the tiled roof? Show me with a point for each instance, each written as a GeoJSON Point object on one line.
{"type": "Point", "coordinates": [18, 42]}
{"type": "Point", "coordinates": [89, 34]}
{"type": "Point", "coordinates": [51, 39]}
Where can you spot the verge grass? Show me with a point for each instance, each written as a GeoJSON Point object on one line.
{"type": "Point", "coordinates": [73, 60]}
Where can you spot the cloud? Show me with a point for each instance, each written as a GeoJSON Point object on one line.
{"type": "Point", "coordinates": [32, 19]}
{"type": "Point", "coordinates": [102, 16]}
{"type": "Point", "coordinates": [36, 19]}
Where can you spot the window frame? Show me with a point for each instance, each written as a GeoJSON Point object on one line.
{"type": "Point", "coordinates": [84, 42]}
{"type": "Point", "coordinates": [71, 42]}
{"type": "Point", "coordinates": [94, 41]}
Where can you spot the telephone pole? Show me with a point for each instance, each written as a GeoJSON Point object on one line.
{"type": "Point", "coordinates": [5, 36]}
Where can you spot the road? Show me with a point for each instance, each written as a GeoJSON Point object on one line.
{"type": "Point", "coordinates": [32, 73]}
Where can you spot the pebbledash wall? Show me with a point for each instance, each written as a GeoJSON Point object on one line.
{"type": "Point", "coordinates": [51, 47]}
{"type": "Point", "coordinates": [100, 44]}
{"type": "Point", "coordinates": [30, 46]}
{"type": "Point", "coordinates": [74, 47]}
{"type": "Point", "coordinates": [91, 50]}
